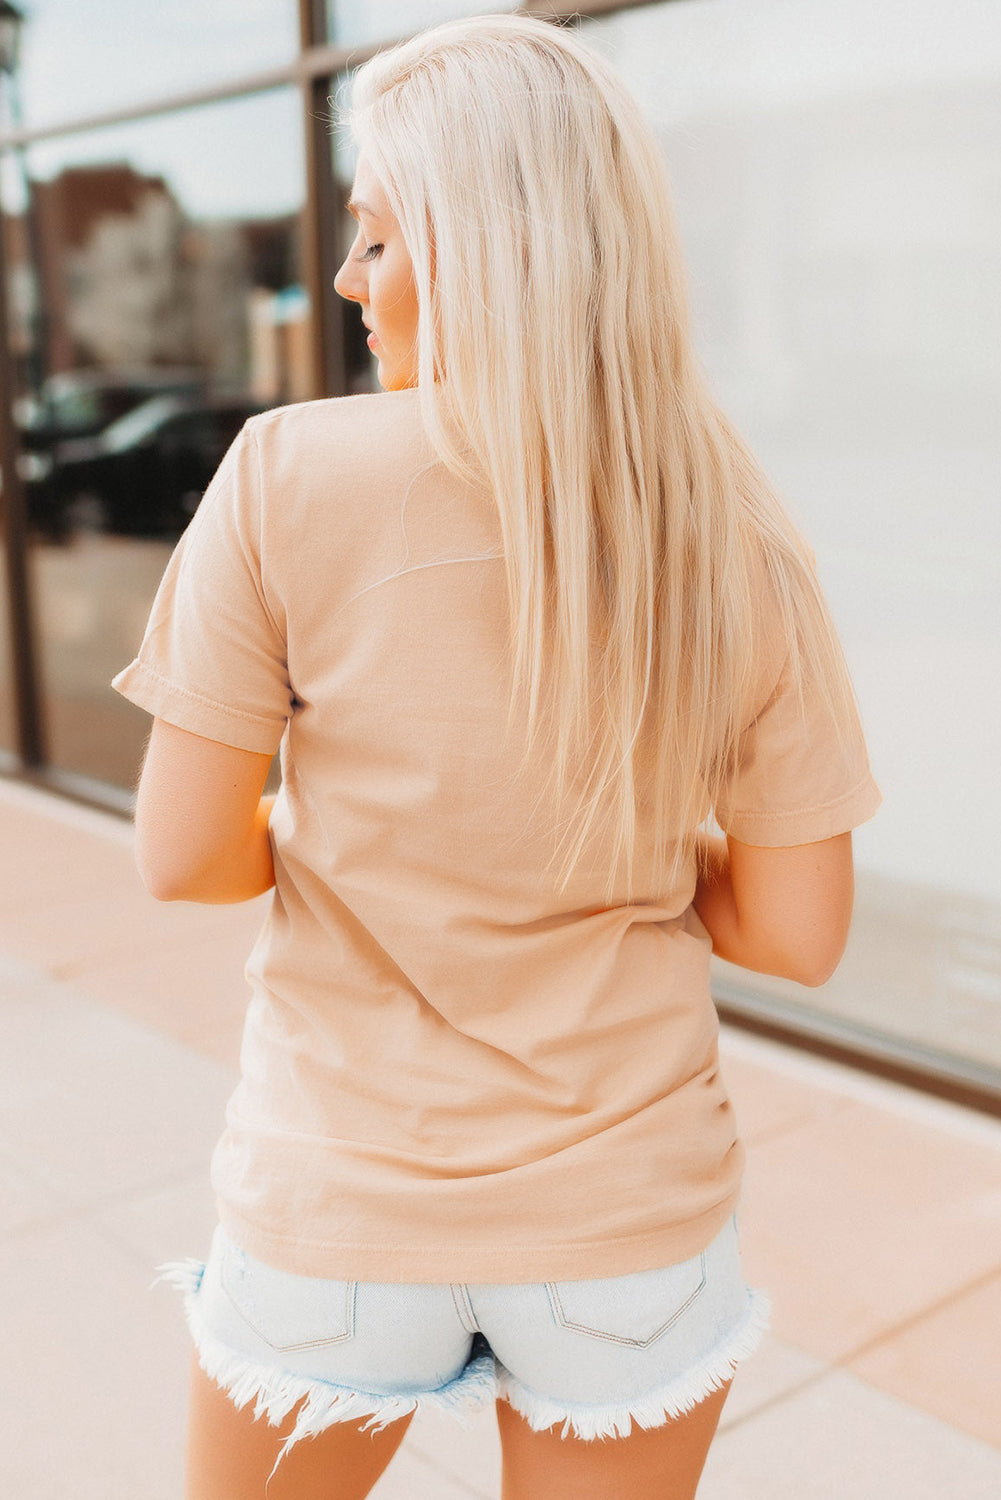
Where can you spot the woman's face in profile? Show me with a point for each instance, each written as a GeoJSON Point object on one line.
{"type": "Point", "coordinates": [377, 274]}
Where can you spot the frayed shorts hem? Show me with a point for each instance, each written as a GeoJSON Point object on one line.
{"type": "Point", "coordinates": [276, 1392]}
{"type": "Point", "coordinates": [673, 1399]}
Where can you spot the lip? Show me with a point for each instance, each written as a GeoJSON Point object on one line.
{"type": "Point", "coordinates": [372, 339]}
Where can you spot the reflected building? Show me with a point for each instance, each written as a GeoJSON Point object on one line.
{"type": "Point", "coordinates": [113, 274]}
{"type": "Point", "coordinates": [130, 281]}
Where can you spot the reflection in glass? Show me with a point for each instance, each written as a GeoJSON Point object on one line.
{"type": "Point", "coordinates": [356, 21]}
{"type": "Point", "coordinates": [171, 314]}
{"type": "Point", "coordinates": [360, 363]}
{"type": "Point", "coordinates": [8, 736]}
{"type": "Point", "coordinates": [836, 191]}
{"type": "Point", "coordinates": [86, 57]}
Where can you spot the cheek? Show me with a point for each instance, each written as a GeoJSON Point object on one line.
{"type": "Point", "coordinates": [394, 298]}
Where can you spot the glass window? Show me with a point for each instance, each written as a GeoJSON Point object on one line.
{"type": "Point", "coordinates": [360, 362]}
{"type": "Point", "coordinates": [8, 736]}
{"type": "Point", "coordinates": [156, 303]}
{"type": "Point", "coordinates": [100, 55]}
{"type": "Point", "coordinates": [836, 188]}
{"type": "Point", "coordinates": [353, 22]}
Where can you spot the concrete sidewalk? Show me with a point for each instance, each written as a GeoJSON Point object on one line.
{"type": "Point", "coordinates": [871, 1214]}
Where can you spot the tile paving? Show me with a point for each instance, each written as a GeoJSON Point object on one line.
{"type": "Point", "coordinates": [870, 1212]}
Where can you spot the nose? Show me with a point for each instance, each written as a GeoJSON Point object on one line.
{"type": "Point", "coordinates": [347, 284]}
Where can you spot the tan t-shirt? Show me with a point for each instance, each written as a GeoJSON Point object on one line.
{"type": "Point", "coordinates": [449, 1073]}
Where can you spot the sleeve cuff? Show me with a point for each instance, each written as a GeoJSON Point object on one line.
{"type": "Point", "coordinates": [189, 710]}
{"type": "Point", "coordinates": [779, 830]}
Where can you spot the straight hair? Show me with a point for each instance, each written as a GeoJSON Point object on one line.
{"type": "Point", "coordinates": [555, 365]}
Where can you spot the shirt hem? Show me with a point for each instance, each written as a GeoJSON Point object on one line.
{"type": "Point", "coordinates": [807, 825]}
{"type": "Point", "coordinates": [499, 1265]}
{"type": "Point", "coordinates": [148, 689]}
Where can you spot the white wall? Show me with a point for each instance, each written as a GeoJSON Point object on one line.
{"type": "Point", "coordinates": [837, 173]}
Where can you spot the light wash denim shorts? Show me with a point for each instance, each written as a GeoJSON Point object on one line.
{"type": "Point", "coordinates": [594, 1355]}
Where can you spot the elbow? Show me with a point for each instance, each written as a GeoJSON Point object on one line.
{"type": "Point", "coordinates": [813, 978]}
{"type": "Point", "coordinates": [171, 867]}
{"type": "Point", "coordinates": [807, 958]}
{"type": "Point", "coordinates": [166, 893]}
{"type": "Point", "coordinates": [162, 885]}
{"type": "Point", "coordinates": [814, 967]}
{"type": "Point", "coordinates": [165, 880]}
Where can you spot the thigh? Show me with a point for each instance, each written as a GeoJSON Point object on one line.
{"type": "Point", "coordinates": [304, 1387]}
{"type": "Point", "coordinates": [230, 1456]}
{"type": "Point", "coordinates": [657, 1463]}
{"type": "Point", "coordinates": [614, 1386]}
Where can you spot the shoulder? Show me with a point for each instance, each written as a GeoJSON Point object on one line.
{"type": "Point", "coordinates": [357, 422]}
{"type": "Point", "coordinates": [776, 569]}
{"type": "Point", "coordinates": [349, 456]}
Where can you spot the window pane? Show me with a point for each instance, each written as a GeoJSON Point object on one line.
{"type": "Point", "coordinates": [836, 184]}
{"type": "Point", "coordinates": [82, 57]}
{"type": "Point", "coordinates": [361, 363]}
{"type": "Point", "coordinates": [8, 737]}
{"type": "Point", "coordinates": [156, 303]}
{"type": "Point", "coordinates": [352, 22]}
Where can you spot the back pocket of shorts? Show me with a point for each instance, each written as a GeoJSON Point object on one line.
{"type": "Point", "coordinates": [634, 1310]}
{"type": "Point", "coordinates": [288, 1312]}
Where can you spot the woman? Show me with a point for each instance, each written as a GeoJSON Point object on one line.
{"type": "Point", "coordinates": [518, 623]}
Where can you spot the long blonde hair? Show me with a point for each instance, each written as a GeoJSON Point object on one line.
{"type": "Point", "coordinates": [555, 364]}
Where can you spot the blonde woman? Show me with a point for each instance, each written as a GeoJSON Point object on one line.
{"type": "Point", "coordinates": [518, 623]}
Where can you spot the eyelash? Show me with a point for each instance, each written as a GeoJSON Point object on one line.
{"type": "Point", "coordinates": [370, 253]}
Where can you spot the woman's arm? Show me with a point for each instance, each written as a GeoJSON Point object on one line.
{"type": "Point", "coordinates": [201, 822]}
{"type": "Point", "coordinates": [779, 911]}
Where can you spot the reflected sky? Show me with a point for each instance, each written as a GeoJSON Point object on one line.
{"type": "Point", "coordinates": [352, 21]}
{"type": "Point", "coordinates": [238, 159]}
{"type": "Point", "coordinates": [710, 56]}
{"type": "Point", "coordinates": [83, 56]}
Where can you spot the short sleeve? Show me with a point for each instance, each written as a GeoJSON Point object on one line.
{"type": "Point", "coordinates": [799, 775]}
{"type": "Point", "coordinates": [213, 657]}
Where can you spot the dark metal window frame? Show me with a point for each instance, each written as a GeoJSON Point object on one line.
{"type": "Point", "coordinates": [312, 72]}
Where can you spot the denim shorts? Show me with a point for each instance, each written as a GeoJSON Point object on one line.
{"type": "Point", "coordinates": [594, 1355]}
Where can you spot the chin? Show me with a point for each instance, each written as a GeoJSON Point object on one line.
{"type": "Point", "coordinates": [395, 382]}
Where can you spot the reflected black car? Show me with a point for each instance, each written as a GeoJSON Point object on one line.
{"type": "Point", "coordinates": [81, 403]}
{"type": "Point", "coordinates": [143, 475]}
